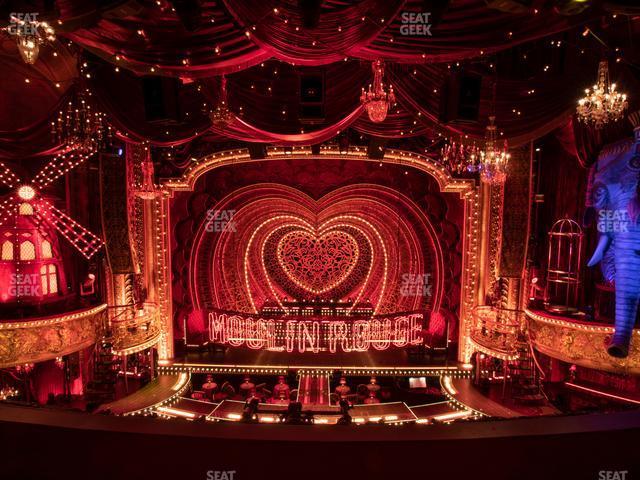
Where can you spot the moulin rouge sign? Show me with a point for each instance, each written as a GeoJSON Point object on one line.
{"type": "Point", "coordinates": [315, 335]}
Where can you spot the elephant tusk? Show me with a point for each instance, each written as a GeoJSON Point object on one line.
{"type": "Point", "coordinates": [603, 244]}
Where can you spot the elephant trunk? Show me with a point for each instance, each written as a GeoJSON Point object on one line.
{"type": "Point", "coordinates": [627, 261]}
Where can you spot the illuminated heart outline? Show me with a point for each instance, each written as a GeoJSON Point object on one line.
{"type": "Point", "coordinates": [317, 262]}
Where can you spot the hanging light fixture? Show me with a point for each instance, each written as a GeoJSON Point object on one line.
{"type": "Point", "coordinates": [460, 157]}
{"type": "Point", "coordinates": [602, 103]}
{"type": "Point", "coordinates": [80, 125]}
{"type": "Point", "coordinates": [494, 157]}
{"type": "Point", "coordinates": [147, 190]}
{"type": "Point", "coordinates": [30, 34]}
{"type": "Point", "coordinates": [377, 99]}
{"type": "Point", "coordinates": [221, 116]}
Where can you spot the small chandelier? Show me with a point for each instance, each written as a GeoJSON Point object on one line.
{"type": "Point", "coordinates": [602, 104]}
{"type": "Point", "coordinates": [30, 34]}
{"type": "Point", "coordinates": [80, 126]}
{"type": "Point", "coordinates": [147, 190]}
{"type": "Point", "coordinates": [221, 116]}
{"type": "Point", "coordinates": [459, 157]}
{"type": "Point", "coordinates": [494, 157]}
{"type": "Point", "coordinates": [377, 99]}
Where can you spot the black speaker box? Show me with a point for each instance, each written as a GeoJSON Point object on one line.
{"type": "Point", "coordinates": [161, 100]}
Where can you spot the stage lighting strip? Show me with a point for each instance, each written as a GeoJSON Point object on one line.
{"type": "Point", "coordinates": [453, 371]}
{"type": "Point", "coordinates": [181, 386]}
{"type": "Point", "coordinates": [450, 392]}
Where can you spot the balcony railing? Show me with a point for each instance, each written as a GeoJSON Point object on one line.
{"type": "Point", "coordinates": [574, 340]}
{"type": "Point", "coordinates": [495, 331]}
{"type": "Point", "coordinates": [47, 337]}
{"type": "Point", "coordinates": [132, 328]}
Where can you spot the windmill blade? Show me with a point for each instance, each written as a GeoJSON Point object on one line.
{"type": "Point", "coordinates": [60, 165]}
{"type": "Point", "coordinates": [82, 239]}
{"type": "Point", "coordinates": [8, 209]}
{"type": "Point", "coordinates": [7, 176]}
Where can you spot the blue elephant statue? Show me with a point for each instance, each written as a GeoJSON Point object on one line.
{"type": "Point", "coordinates": [615, 195]}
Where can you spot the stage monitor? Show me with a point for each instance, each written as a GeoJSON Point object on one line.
{"type": "Point", "coordinates": [417, 382]}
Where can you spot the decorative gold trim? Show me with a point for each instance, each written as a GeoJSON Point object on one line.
{"type": "Point", "coordinates": [581, 343]}
{"type": "Point", "coordinates": [42, 339]}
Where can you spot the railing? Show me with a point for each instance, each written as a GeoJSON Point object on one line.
{"type": "Point", "coordinates": [495, 331]}
{"type": "Point", "coordinates": [45, 338]}
{"type": "Point", "coordinates": [131, 328]}
{"type": "Point", "coordinates": [574, 340]}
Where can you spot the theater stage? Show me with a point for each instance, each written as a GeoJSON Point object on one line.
{"type": "Point", "coordinates": [392, 360]}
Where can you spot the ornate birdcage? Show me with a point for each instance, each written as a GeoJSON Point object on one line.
{"type": "Point", "coordinates": [563, 268]}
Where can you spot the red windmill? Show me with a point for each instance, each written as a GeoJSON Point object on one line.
{"type": "Point", "coordinates": [30, 261]}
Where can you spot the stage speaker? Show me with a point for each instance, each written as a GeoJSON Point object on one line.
{"type": "Point", "coordinates": [310, 12]}
{"type": "Point", "coordinates": [461, 99]}
{"type": "Point", "coordinates": [511, 6]}
{"type": "Point", "coordinates": [189, 13]}
{"type": "Point", "coordinates": [257, 150]}
{"type": "Point", "coordinates": [315, 149]}
{"type": "Point", "coordinates": [161, 100]}
{"type": "Point", "coordinates": [311, 100]}
{"type": "Point", "coordinates": [376, 148]}
{"type": "Point", "coordinates": [120, 9]}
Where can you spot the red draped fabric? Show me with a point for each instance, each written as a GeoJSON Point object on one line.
{"type": "Point", "coordinates": [239, 35]}
{"type": "Point", "coordinates": [239, 38]}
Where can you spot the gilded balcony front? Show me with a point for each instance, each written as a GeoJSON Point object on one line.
{"type": "Point", "coordinates": [45, 338]}
{"type": "Point", "coordinates": [495, 332]}
{"type": "Point", "coordinates": [579, 342]}
{"type": "Point", "coordinates": [133, 329]}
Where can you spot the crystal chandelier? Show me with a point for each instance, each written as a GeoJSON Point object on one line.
{"type": "Point", "coordinates": [494, 157]}
{"type": "Point", "coordinates": [221, 115]}
{"type": "Point", "coordinates": [30, 34]}
{"type": "Point", "coordinates": [459, 157]}
{"type": "Point", "coordinates": [377, 99]}
{"type": "Point", "coordinates": [79, 125]}
{"type": "Point", "coordinates": [602, 104]}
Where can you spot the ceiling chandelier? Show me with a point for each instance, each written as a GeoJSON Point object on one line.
{"type": "Point", "coordinates": [221, 116]}
{"type": "Point", "coordinates": [80, 126]}
{"type": "Point", "coordinates": [494, 157]}
{"type": "Point", "coordinates": [602, 104]}
{"type": "Point", "coordinates": [459, 157]}
{"type": "Point", "coordinates": [30, 34]}
{"type": "Point", "coordinates": [377, 99]}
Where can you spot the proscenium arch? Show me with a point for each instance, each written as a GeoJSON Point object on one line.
{"type": "Point", "coordinates": [467, 190]}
